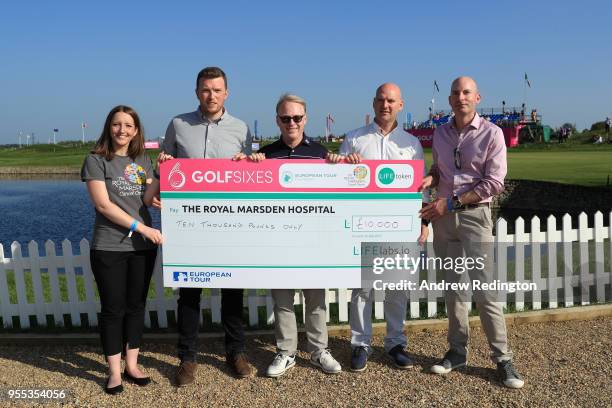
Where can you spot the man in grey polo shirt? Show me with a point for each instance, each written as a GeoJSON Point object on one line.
{"type": "Point", "coordinates": [210, 133]}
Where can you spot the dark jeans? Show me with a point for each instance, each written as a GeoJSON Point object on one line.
{"type": "Point", "coordinates": [189, 321]}
{"type": "Point", "coordinates": [123, 282]}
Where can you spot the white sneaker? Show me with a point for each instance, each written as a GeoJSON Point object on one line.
{"type": "Point", "coordinates": [280, 364]}
{"type": "Point", "coordinates": [326, 362]}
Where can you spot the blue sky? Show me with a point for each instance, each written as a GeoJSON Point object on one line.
{"type": "Point", "coordinates": [67, 62]}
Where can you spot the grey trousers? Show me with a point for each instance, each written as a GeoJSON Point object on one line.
{"type": "Point", "coordinates": [469, 233]}
{"type": "Point", "coordinates": [286, 327]}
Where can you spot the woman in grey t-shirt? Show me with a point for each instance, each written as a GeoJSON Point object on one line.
{"type": "Point", "coordinates": [118, 175]}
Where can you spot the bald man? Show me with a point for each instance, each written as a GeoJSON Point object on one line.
{"type": "Point", "coordinates": [469, 166]}
{"type": "Point", "coordinates": [383, 139]}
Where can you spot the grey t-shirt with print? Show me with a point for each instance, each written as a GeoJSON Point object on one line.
{"type": "Point", "coordinates": [125, 181]}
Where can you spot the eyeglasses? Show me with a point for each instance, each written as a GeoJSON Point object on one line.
{"type": "Point", "coordinates": [457, 155]}
{"type": "Point", "coordinates": [287, 119]}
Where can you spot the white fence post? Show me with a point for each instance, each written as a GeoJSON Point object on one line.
{"type": "Point", "coordinates": [39, 300]}
{"type": "Point", "coordinates": [598, 241]}
{"type": "Point", "coordinates": [430, 295]}
{"type": "Point", "coordinates": [583, 242]}
{"type": "Point", "coordinates": [252, 306]}
{"type": "Point", "coordinates": [520, 239]}
{"type": "Point", "coordinates": [551, 246]}
{"type": "Point", "coordinates": [52, 266]}
{"type": "Point", "coordinates": [501, 240]}
{"type": "Point", "coordinates": [5, 300]}
{"type": "Point", "coordinates": [269, 308]}
{"type": "Point", "coordinates": [215, 306]}
{"type": "Point", "coordinates": [18, 272]}
{"type": "Point", "coordinates": [343, 300]}
{"type": "Point", "coordinates": [73, 297]}
{"type": "Point", "coordinates": [568, 237]}
{"type": "Point", "coordinates": [536, 262]}
{"type": "Point", "coordinates": [327, 302]}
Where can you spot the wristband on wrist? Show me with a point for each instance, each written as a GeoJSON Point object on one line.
{"type": "Point", "coordinates": [449, 204]}
{"type": "Point", "coordinates": [156, 174]}
{"type": "Point", "coordinates": [424, 222]}
{"type": "Point", "coordinates": [132, 228]}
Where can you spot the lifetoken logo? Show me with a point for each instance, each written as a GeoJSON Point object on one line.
{"type": "Point", "coordinates": [386, 176]}
{"type": "Point", "coordinates": [394, 176]}
{"type": "Point", "coordinates": [176, 178]}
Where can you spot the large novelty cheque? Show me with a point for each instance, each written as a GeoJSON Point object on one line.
{"type": "Point", "coordinates": [281, 224]}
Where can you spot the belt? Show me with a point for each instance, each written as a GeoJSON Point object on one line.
{"type": "Point", "coordinates": [471, 206]}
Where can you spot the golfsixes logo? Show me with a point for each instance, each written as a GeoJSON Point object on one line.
{"type": "Point", "coordinates": [176, 178]}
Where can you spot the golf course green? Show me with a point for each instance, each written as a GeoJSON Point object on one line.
{"type": "Point", "coordinates": [577, 163]}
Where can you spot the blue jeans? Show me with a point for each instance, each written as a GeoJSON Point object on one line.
{"type": "Point", "coordinates": [396, 302]}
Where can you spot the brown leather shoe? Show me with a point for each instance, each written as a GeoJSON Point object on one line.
{"type": "Point", "coordinates": [185, 373]}
{"type": "Point", "coordinates": [239, 364]}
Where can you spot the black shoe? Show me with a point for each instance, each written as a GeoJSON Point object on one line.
{"type": "Point", "coordinates": [451, 361]}
{"type": "Point", "coordinates": [359, 359]}
{"type": "Point", "coordinates": [141, 382]}
{"type": "Point", "coordinates": [400, 358]}
{"type": "Point", "coordinates": [508, 375]}
{"type": "Point", "coordinates": [117, 389]}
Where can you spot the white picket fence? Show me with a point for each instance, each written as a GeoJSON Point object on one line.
{"type": "Point", "coordinates": [589, 244]}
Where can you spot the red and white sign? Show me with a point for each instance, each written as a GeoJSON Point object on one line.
{"type": "Point", "coordinates": [292, 175]}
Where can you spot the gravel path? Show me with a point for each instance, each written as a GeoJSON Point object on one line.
{"type": "Point", "coordinates": [565, 364]}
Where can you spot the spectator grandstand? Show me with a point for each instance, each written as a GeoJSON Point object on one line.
{"type": "Point", "coordinates": [501, 117]}
{"type": "Point", "coordinates": [513, 124]}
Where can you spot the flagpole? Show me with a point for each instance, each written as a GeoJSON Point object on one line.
{"type": "Point", "coordinates": [433, 103]}
{"type": "Point", "coordinates": [525, 94]}
{"type": "Point", "coordinates": [433, 99]}
{"type": "Point", "coordinates": [82, 132]}
{"type": "Point", "coordinates": [327, 128]}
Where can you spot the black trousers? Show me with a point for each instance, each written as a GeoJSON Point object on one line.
{"type": "Point", "coordinates": [123, 282]}
{"type": "Point", "coordinates": [189, 321]}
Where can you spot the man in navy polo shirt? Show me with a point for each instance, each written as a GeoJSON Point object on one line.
{"type": "Point", "coordinates": [293, 144]}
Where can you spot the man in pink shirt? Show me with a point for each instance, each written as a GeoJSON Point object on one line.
{"type": "Point", "coordinates": [469, 166]}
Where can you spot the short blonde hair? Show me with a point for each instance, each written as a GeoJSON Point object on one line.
{"type": "Point", "coordinates": [290, 98]}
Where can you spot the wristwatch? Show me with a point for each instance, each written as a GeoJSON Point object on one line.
{"type": "Point", "coordinates": [454, 204]}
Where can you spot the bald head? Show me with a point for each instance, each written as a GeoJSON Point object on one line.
{"type": "Point", "coordinates": [387, 104]}
{"type": "Point", "coordinates": [464, 81]}
{"type": "Point", "coordinates": [464, 97]}
{"type": "Point", "coordinates": [389, 88]}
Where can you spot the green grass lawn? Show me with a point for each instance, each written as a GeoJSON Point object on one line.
{"type": "Point", "coordinates": [571, 163]}
{"type": "Point", "coordinates": [583, 166]}
{"type": "Point", "coordinates": [64, 154]}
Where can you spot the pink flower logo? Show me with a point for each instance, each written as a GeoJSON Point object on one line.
{"type": "Point", "coordinates": [176, 178]}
